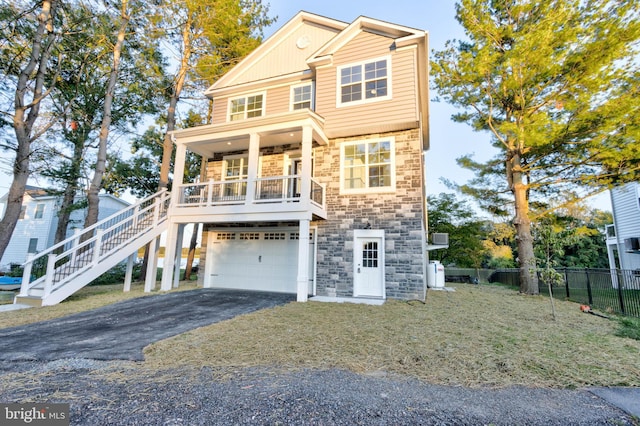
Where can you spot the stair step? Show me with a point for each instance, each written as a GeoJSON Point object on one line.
{"type": "Point", "coordinates": [34, 301]}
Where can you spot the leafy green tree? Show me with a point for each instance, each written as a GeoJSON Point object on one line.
{"type": "Point", "coordinates": [572, 238]}
{"type": "Point", "coordinates": [555, 84]}
{"type": "Point", "coordinates": [466, 231]}
{"type": "Point", "coordinates": [29, 43]}
{"type": "Point", "coordinates": [499, 246]}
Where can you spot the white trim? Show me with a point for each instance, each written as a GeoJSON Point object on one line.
{"type": "Point", "coordinates": [313, 97]}
{"type": "Point", "coordinates": [245, 97]}
{"type": "Point", "coordinates": [364, 100]}
{"type": "Point", "coordinates": [367, 189]}
{"type": "Point", "coordinates": [370, 233]}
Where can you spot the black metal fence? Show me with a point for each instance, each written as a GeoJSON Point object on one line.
{"type": "Point", "coordinates": [611, 290]}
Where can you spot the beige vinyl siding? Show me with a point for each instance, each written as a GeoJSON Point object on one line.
{"type": "Point", "coordinates": [379, 115]}
{"type": "Point", "coordinates": [276, 101]}
{"type": "Point", "coordinates": [286, 57]}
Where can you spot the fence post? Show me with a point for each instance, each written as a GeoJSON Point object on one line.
{"type": "Point", "coordinates": [566, 283]}
{"type": "Point", "coordinates": [620, 295]}
{"type": "Point", "coordinates": [586, 270]}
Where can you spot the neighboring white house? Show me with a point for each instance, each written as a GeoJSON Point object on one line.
{"type": "Point", "coordinates": [623, 236]}
{"type": "Point", "coordinates": [36, 227]}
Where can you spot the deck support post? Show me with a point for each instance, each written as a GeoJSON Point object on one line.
{"type": "Point", "coordinates": [303, 261]}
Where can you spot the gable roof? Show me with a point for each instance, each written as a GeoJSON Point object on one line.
{"type": "Point", "coordinates": [401, 35]}
{"type": "Point", "coordinates": [284, 53]}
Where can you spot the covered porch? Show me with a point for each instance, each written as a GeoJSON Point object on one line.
{"type": "Point", "coordinates": [250, 184]}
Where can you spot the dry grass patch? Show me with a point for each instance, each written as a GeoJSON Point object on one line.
{"type": "Point", "coordinates": [87, 298]}
{"type": "Point", "coordinates": [476, 336]}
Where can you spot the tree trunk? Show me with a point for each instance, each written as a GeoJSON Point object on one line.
{"type": "Point", "coordinates": [192, 252]}
{"type": "Point", "coordinates": [167, 146]}
{"type": "Point", "coordinates": [70, 191]}
{"type": "Point", "coordinates": [522, 223]}
{"type": "Point", "coordinates": [23, 122]}
{"type": "Point", "coordinates": [96, 183]}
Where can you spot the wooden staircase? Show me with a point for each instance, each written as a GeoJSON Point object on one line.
{"type": "Point", "coordinates": [56, 273]}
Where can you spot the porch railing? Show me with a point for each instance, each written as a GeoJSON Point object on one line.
{"type": "Point", "coordinates": [276, 189]}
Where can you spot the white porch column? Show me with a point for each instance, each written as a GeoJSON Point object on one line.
{"type": "Point", "coordinates": [252, 169]}
{"type": "Point", "coordinates": [303, 261]}
{"type": "Point", "coordinates": [129, 272]}
{"type": "Point", "coordinates": [178, 172]}
{"type": "Point", "coordinates": [169, 256]}
{"type": "Point", "coordinates": [152, 265]}
{"type": "Point", "coordinates": [178, 257]}
{"type": "Point", "coordinates": [305, 186]}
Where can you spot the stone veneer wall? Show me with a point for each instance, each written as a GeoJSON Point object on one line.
{"type": "Point", "coordinates": [399, 214]}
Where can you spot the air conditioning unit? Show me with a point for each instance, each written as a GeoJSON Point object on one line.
{"type": "Point", "coordinates": [632, 244]}
{"type": "Point", "coordinates": [440, 239]}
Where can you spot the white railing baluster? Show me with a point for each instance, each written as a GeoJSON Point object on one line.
{"type": "Point", "coordinates": [48, 282]}
{"type": "Point", "coordinates": [26, 276]}
{"type": "Point", "coordinates": [97, 245]}
{"type": "Point", "coordinates": [209, 192]}
{"type": "Point", "coordinates": [74, 244]}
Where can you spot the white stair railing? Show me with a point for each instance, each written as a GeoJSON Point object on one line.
{"type": "Point", "coordinates": [51, 269]}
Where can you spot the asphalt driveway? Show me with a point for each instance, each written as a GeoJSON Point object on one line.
{"type": "Point", "coordinates": [120, 331]}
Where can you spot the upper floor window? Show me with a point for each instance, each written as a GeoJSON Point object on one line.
{"type": "Point", "coordinates": [246, 107]}
{"type": "Point", "coordinates": [364, 82]}
{"type": "Point", "coordinates": [33, 245]}
{"type": "Point", "coordinates": [39, 211]}
{"type": "Point", "coordinates": [302, 96]}
{"type": "Point", "coordinates": [368, 166]}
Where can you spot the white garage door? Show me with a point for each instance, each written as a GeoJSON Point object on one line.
{"type": "Point", "coordinates": [248, 260]}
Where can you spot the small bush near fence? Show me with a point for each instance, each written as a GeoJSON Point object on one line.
{"type": "Point", "coordinates": [616, 291]}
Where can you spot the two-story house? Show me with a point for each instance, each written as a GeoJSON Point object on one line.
{"type": "Point", "coordinates": [315, 180]}
{"type": "Point", "coordinates": [36, 226]}
{"type": "Point", "coordinates": [623, 236]}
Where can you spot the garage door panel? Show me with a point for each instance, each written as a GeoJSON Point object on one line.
{"type": "Point", "coordinates": [253, 264]}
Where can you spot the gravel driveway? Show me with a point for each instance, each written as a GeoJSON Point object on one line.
{"type": "Point", "coordinates": [123, 393]}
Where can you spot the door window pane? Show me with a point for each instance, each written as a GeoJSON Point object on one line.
{"type": "Point", "coordinates": [370, 255]}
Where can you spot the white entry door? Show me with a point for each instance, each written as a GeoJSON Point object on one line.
{"type": "Point", "coordinates": [369, 267]}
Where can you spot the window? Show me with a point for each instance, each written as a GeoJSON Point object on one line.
{"type": "Point", "coordinates": [23, 211]}
{"type": "Point", "coordinates": [249, 236]}
{"type": "Point", "coordinates": [302, 97]}
{"type": "Point", "coordinates": [235, 169]}
{"type": "Point", "coordinates": [368, 166]}
{"type": "Point", "coordinates": [364, 82]}
{"type": "Point", "coordinates": [39, 211]}
{"type": "Point", "coordinates": [370, 255]}
{"type": "Point", "coordinates": [226, 236]}
{"type": "Point", "coordinates": [33, 245]}
{"type": "Point", "coordinates": [275, 236]}
{"type": "Point", "coordinates": [246, 107]}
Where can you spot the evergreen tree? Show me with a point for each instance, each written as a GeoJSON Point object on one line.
{"type": "Point", "coordinates": [555, 84]}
